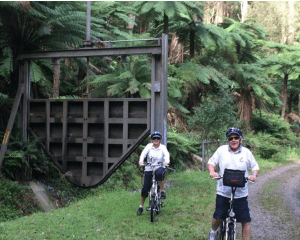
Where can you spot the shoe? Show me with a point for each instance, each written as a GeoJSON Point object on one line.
{"type": "Point", "coordinates": [212, 235]}
{"type": "Point", "coordinates": [163, 195]}
{"type": "Point", "coordinates": [139, 211]}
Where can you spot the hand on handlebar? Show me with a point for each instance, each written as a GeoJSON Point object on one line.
{"type": "Point", "coordinates": [252, 178]}
{"type": "Point", "coordinates": [213, 175]}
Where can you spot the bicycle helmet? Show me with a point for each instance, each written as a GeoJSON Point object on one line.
{"type": "Point", "coordinates": [156, 134]}
{"type": "Point", "coordinates": [234, 130]}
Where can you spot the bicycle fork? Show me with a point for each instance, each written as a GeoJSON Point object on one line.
{"type": "Point", "coordinates": [231, 220]}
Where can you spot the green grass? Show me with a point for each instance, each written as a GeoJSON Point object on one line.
{"type": "Point", "coordinates": [112, 214]}
{"type": "Point", "coordinates": [285, 156]}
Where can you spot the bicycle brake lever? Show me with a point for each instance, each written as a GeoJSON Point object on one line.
{"type": "Point", "coordinates": [216, 178]}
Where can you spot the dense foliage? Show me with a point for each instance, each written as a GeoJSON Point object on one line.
{"type": "Point", "coordinates": [227, 67]}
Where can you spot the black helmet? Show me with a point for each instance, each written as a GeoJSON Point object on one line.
{"type": "Point", "coordinates": [234, 130]}
{"type": "Point", "coordinates": [156, 134]}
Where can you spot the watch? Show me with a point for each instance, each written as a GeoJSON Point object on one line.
{"type": "Point", "coordinates": [255, 175]}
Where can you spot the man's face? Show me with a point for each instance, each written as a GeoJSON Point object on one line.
{"type": "Point", "coordinates": [234, 141]}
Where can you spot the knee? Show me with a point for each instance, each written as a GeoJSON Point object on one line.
{"type": "Point", "coordinates": [144, 192]}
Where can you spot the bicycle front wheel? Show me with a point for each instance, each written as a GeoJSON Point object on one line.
{"type": "Point", "coordinates": [231, 232]}
{"type": "Point", "coordinates": [152, 212]}
{"type": "Point", "coordinates": [221, 232]}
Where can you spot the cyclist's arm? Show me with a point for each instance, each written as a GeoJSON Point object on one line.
{"type": "Point", "coordinates": [144, 154]}
{"type": "Point", "coordinates": [254, 167]}
{"type": "Point", "coordinates": [212, 163]}
{"type": "Point", "coordinates": [211, 170]}
{"type": "Point", "coordinates": [166, 156]}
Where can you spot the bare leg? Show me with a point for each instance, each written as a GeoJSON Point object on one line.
{"type": "Point", "coordinates": [246, 231]}
{"type": "Point", "coordinates": [142, 201]}
{"type": "Point", "coordinates": [161, 185]}
{"type": "Point", "coordinates": [215, 223]}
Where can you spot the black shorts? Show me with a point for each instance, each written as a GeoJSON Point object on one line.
{"type": "Point", "coordinates": [159, 176]}
{"type": "Point", "coordinates": [240, 208]}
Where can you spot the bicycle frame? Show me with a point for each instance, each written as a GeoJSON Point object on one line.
{"type": "Point", "coordinates": [228, 226]}
{"type": "Point", "coordinates": [155, 202]}
{"type": "Point", "coordinates": [231, 220]}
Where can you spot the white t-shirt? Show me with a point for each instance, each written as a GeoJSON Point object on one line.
{"type": "Point", "coordinates": [159, 154]}
{"type": "Point", "coordinates": [242, 159]}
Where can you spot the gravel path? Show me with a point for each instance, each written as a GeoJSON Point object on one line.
{"type": "Point", "coordinates": [286, 225]}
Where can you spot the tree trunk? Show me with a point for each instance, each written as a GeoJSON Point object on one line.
{"type": "Point", "coordinates": [299, 103]}
{"type": "Point", "coordinates": [245, 106]}
{"type": "Point", "coordinates": [56, 81]}
{"type": "Point", "coordinates": [284, 95]}
{"type": "Point", "coordinates": [166, 24]}
{"type": "Point", "coordinates": [291, 23]}
{"type": "Point", "coordinates": [14, 77]}
{"type": "Point", "coordinates": [284, 23]}
{"type": "Point", "coordinates": [176, 50]}
{"type": "Point", "coordinates": [219, 13]}
{"type": "Point", "coordinates": [244, 5]}
{"type": "Point", "coordinates": [290, 103]}
{"type": "Point", "coordinates": [192, 44]}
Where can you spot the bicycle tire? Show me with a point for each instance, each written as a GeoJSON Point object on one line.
{"type": "Point", "coordinates": [152, 211]}
{"type": "Point", "coordinates": [231, 232]}
{"type": "Point", "coordinates": [158, 208]}
{"type": "Point", "coordinates": [221, 232]}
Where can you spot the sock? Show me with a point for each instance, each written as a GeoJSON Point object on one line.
{"type": "Point", "coordinates": [213, 231]}
{"type": "Point", "coordinates": [141, 206]}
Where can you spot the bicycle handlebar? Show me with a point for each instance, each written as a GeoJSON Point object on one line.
{"type": "Point", "coordinates": [218, 178]}
{"type": "Point", "coordinates": [158, 164]}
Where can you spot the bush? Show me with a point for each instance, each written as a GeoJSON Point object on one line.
{"type": "Point", "coordinates": [15, 200]}
{"type": "Point", "coordinates": [214, 116]}
{"type": "Point", "coordinates": [263, 144]}
{"type": "Point", "coordinates": [21, 160]}
{"type": "Point", "coordinates": [180, 145]}
{"type": "Point", "coordinates": [274, 125]}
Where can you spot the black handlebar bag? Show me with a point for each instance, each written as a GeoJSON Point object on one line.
{"type": "Point", "coordinates": [234, 178]}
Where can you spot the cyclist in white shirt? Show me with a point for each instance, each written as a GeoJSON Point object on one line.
{"type": "Point", "coordinates": [155, 152]}
{"type": "Point", "coordinates": [232, 156]}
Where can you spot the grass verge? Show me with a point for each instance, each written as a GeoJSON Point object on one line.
{"type": "Point", "coordinates": [112, 215]}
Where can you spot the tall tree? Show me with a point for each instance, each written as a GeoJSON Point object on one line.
{"type": "Point", "coordinates": [163, 11]}
{"type": "Point", "coordinates": [284, 66]}
{"type": "Point", "coordinates": [246, 72]}
{"type": "Point", "coordinates": [31, 26]}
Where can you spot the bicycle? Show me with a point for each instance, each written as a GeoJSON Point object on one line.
{"type": "Point", "coordinates": [227, 230]}
{"type": "Point", "coordinates": [155, 201]}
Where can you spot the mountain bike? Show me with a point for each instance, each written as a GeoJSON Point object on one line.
{"type": "Point", "coordinates": [227, 230]}
{"type": "Point", "coordinates": [155, 201]}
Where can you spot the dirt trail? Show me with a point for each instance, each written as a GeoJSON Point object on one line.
{"type": "Point", "coordinates": [264, 225]}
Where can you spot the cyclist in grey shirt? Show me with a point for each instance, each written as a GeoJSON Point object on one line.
{"type": "Point", "coordinates": [232, 156]}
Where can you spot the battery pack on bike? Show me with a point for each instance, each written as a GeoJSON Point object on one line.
{"type": "Point", "coordinates": [234, 178]}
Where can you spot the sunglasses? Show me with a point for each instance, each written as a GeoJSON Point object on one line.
{"type": "Point", "coordinates": [156, 138]}
{"type": "Point", "coordinates": [231, 138]}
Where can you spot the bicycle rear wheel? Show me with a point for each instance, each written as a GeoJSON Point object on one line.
{"type": "Point", "coordinates": [152, 211]}
{"type": "Point", "coordinates": [231, 232]}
